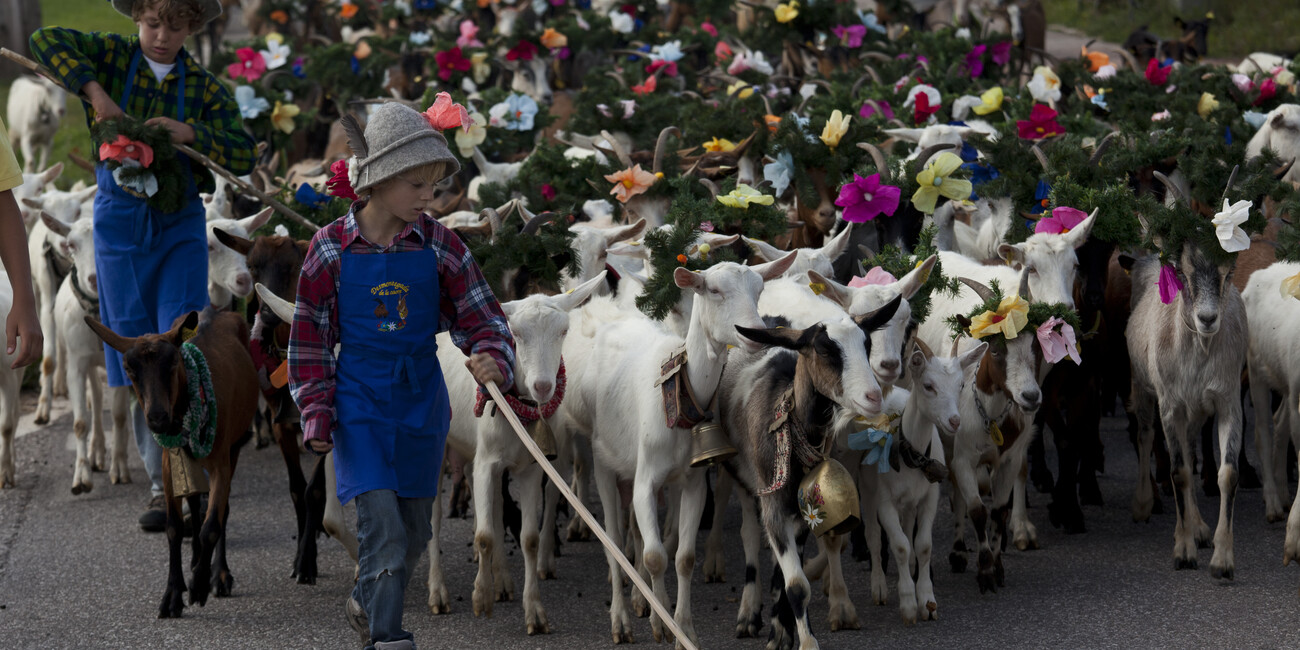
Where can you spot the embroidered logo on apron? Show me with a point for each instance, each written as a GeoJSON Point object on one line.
{"type": "Point", "coordinates": [390, 305]}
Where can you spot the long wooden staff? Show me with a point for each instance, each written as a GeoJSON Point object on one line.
{"type": "Point", "coordinates": [581, 509]}
{"type": "Point", "coordinates": [198, 157]}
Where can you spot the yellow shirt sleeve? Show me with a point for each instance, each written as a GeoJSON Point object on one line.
{"type": "Point", "coordinates": [11, 175]}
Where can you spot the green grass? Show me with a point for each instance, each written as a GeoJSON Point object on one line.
{"type": "Point", "coordinates": [72, 136]}
{"type": "Point", "coordinates": [1239, 27]}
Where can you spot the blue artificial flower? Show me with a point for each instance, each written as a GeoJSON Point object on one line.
{"type": "Point", "coordinates": [877, 442]}
{"type": "Point", "coordinates": [298, 69]}
{"type": "Point", "coordinates": [1227, 135]}
{"type": "Point", "coordinates": [1100, 100]}
{"type": "Point", "coordinates": [780, 173]}
{"type": "Point", "coordinates": [969, 153]}
{"type": "Point", "coordinates": [802, 123]}
{"type": "Point", "coordinates": [871, 21]}
{"type": "Point", "coordinates": [250, 105]}
{"type": "Point", "coordinates": [979, 174]}
{"type": "Point", "coordinates": [515, 113]}
{"type": "Point", "coordinates": [356, 66]}
{"type": "Point", "coordinates": [308, 196]}
{"type": "Point", "coordinates": [670, 52]}
{"type": "Point", "coordinates": [1042, 194]}
{"type": "Point", "coordinates": [420, 38]}
{"type": "Point", "coordinates": [1254, 118]}
{"type": "Point", "coordinates": [426, 4]}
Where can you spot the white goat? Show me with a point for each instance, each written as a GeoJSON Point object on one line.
{"type": "Point", "coordinates": [10, 382]}
{"type": "Point", "coordinates": [1187, 358]}
{"type": "Point", "coordinates": [1274, 365]}
{"type": "Point", "coordinates": [539, 325]}
{"type": "Point", "coordinates": [904, 501]}
{"type": "Point", "coordinates": [613, 395]}
{"type": "Point", "coordinates": [490, 172]}
{"type": "Point", "coordinates": [228, 275]}
{"type": "Point", "coordinates": [84, 359]}
{"type": "Point", "coordinates": [934, 134]}
{"type": "Point", "coordinates": [1281, 133]}
{"type": "Point", "coordinates": [36, 108]}
{"type": "Point", "coordinates": [33, 186]}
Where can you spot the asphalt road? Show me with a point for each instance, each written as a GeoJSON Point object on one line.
{"type": "Point", "coordinates": [76, 572]}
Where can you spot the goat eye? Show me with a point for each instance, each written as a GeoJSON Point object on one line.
{"type": "Point", "coordinates": [929, 387]}
{"type": "Point", "coordinates": [1032, 270]}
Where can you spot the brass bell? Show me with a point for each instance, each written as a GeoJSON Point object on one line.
{"type": "Point", "coordinates": [709, 444]}
{"type": "Point", "coordinates": [541, 434]}
{"type": "Point", "coordinates": [187, 476]}
{"type": "Point", "coordinates": [828, 499]}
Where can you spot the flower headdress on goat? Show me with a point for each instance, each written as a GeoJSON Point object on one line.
{"type": "Point", "coordinates": [1017, 315]}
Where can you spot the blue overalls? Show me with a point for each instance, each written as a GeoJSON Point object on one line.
{"type": "Point", "coordinates": [152, 266]}
{"type": "Point", "coordinates": [390, 400]}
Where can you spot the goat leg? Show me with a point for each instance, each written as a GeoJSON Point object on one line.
{"type": "Point", "coordinates": [173, 600]}
{"type": "Point", "coordinates": [314, 502]}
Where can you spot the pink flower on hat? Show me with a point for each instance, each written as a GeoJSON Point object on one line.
{"type": "Point", "coordinates": [446, 114]}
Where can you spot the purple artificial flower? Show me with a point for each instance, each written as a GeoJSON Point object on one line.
{"type": "Point", "coordinates": [852, 35]}
{"type": "Point", "coordinates": [1063, 220]}
{"type": "Point", "coordinates": [870, 106]}
{"type": "Point", "coordinates": [1002, 53]}
{"type": "Point", "coordinates": [1169, 284]}
{"type": "Point", "coordinates": [865, 198]}
{"type": "Point", "coordinates": [975, 61]}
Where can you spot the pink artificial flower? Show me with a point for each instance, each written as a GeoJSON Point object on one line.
{"type": "Point", "coordinates": [863, 199]}
{"type": "Point", "coordinates": [876, 275]}
{"type": "Point", "coordinates": [1062, 221]}
{"type": "Point", "coordinates": [604, 110]}
{"type": "Point", "coordinates": [1169, 284]}
{"type": "Point", "coordinates": [123, 148]}
{"type": "Point", "coordinates": [850, 36]}
{"type": "Point", "coordinates": [722, 51]}
{"type": "Point", "coordinates": [1002, 53]}
{"type": "Point", "coordinates": [468, 35]}
{"type": "Point", "coordinates": [706, 226]}
{"type": "Point", "coordinates": [1041, 124]}
{"type": "Point", "coordinates": [1267, 89]}
{"type": "Point", "coordinates": [1057, 345]}
{"type": "Point", "coordinates": [1157, 74]}
{"type": "Point", "coordinates": [251, 65]}
{"type": "Point", "coordinates": [629, 108]}
{"type": "Point", "coordinates": [446, 114]}
{"type": "Point", "coordinates": [669, 67]}
{"type": "Point", "coordinates": [548, 192]}
{"type": "Point", "coordinates": [338, 184]}
{"type": "Point", "coordinates": [1243, 83]}
{"type": "Point", "coordinates": [869, 108]}
{"type": "Point", "coordinates": [709, 29]}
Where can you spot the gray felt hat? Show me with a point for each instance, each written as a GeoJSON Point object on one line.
{"type": "Point", "coordinates": [398, 139]}
{"type": "Point", "coordinates": [208, 9]}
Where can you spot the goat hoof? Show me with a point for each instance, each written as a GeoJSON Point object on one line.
{"type": "Point", "coordinates": [748, 627]}
{"type": "Point", "coordinates": [986, 581]}
{"type": "Point", "coordinates": [1220, 573]}
{"type": "Point", "coordinates": [223, 584]}
{"type": "Point", "coordinates": [305, 573]}
{"type": "Point", "coordinates": [1181, 563]}
{"type": "Point", "coordinates": [173, 602]}
{"type": "Point", "coordinates": [78, 489]}
{"type": "Point", "coordinates": [42, 419]}
{"type": "Point", "coordinates": [199, 590]}
{"type": "Point", "coordinates": [957, 561]}
{"type": "Point", "coordinates": [538, 628]}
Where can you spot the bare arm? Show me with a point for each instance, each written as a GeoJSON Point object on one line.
{"type": "Point", "coordinates": [22, 322]}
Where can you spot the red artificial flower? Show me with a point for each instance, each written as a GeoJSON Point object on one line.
{"type": "Point", "coordinates": [722, 51]}
{"type": "Point", "coordinates": [647, 87]}
{"type": "Point", "coordinates": [709, 29]}
{"type": "Point", "coordinates": [669, 67]}
{"type": "Point", "coordinates": [338, 184]}
{"type": "Point", "coordinates": [1041, 124]}
{"type": "Point", "coordinates": [123, 147]}
{"type": "Point", "coordinates": [449, 61]}
{"type": "Point", "coordinates": [1267, 89]}
{"type": "Point", "coordinates": [1157, 74]}
{"type": "Point", "coordinates": [523, 51]}
{"type": "Point", "coordinates": [446, 114]}
{"type": "Point", "coordinates": [923, 109]}
{"type": "Point", "coordinates": [548, 192]}
{"type": "Point", "coordinates": [251, 65]}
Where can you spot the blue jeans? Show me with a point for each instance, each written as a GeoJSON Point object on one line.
{"type": "Point", "coordinates": [392, 532]}
{"type": "Point", "coordinates": [150, 452]}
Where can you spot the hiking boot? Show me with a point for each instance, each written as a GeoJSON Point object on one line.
{"type": "Point", "coordinates": [357, 619]}
{"type": "Point", "coordinates": [154, 520]}
{"type": "Point", "coordinates": [404, 644]}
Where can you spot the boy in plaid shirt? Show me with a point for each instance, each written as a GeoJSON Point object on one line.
{"type": "Point", "coordinates": [151, 265]}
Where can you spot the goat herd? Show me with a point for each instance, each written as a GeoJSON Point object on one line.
{"type": "Point", "coordinates": [881, 258]}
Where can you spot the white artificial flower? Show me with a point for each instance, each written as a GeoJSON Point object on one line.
{"type": "Point", "coordinates": [670, 52]}
{"type": "Point", "coordinates": [931, 93]}
{"type": "Point", "coordinates": [276, 54]}
{"type": "Point", "coordinates": [1045, 86]}
{"type": "Point", "coordinates": [1227, 226]}
{"type": "Point", "coordinates": [963, 33]}
{"type": "Point", "coordinates": [496, 114]}
{"type": "Point", "coordinates": [807, 90]}
{"type": "Point", "coordinates": [354, 171]}
{"type": "Point", "coordinates": [1106, 71]}
{"type": "Point", "coordinates": [403, 6]}
{"type": "Point", "coordinates": [962, 105]}
{"type": "Point", "coordinates": [621, 22]}
{"type": "Point", "coordinates": [281, 230]}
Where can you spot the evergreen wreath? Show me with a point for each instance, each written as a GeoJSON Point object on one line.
{"type": "Point", "coordinates": [897, 263]}
{"type": "Point", "coordinates": [121, 139]}
{"type": "Point", "coordinates": [546, 254]}
{"type": "Point", "coordinates": [1039, 313]}
{"type": "Point", "coordinates": [670, 248]}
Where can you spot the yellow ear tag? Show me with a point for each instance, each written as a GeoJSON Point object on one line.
{"type": "Point", "coordinates": [995, 434]}
{"type": "Point", "coordinates": [817, 288]}
{"type": "Point", "coordinates": [187, 334]}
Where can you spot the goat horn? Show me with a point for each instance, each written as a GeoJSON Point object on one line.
{"type": "Point", "coordinates": [925, 154]}
{"type": "Point", "coordinates": [985, 293]}
{"type": "Point", "coordinates": [1095, 159]}
{"type": "Point", "coordinates": [618, 77]}
{"type": "Point", "coordinates": [1024, 286]}
{"type": "Point", "coordinates": [866, 252]}
{"type": "Point", "coordinates": [1030, 216]}
{"type": "Point", "coordinates": [661, 143]}
{"type": "Point", "coordinates": [617, 146]}
{"type": "Point", "coordinates": [630, 52]}
{"type": "Point", "coordinates": [81, 162]}
{"type": "Point", "coordinates": [1169, 185]}
{"type": "Point", "coordinates": [1042, 157]}
{"type": "Point", "coordinates": [536, 223]}
{"type": "Point", "coordinates": [879, 158]}
{"type": "Point", "coordinates": [1232, 179]}
{"type": "Point", "coordinates": [879, 56]}
{"type": "Point", "coordinates": [870, 72]}
{"type": "Point", "coordinates": [714, 190]}
{"type": "Point", "coordinates": [278, 305]}
{"type": "Point", "coordinates": [1283, 169]}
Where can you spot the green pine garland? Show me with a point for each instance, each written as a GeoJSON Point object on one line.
{"type": "Point", "coordinates": [537, 253]}
{"type": "Point", "coordinates": [1039, 313]}
{"type": "Point", "coordinates": [167, 170]}
{"type": "Point", "coordinates": [898, 264]}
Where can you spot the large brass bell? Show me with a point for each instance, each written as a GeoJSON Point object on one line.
{"type": "Point", "coordinates": [186, 474]}
{"type": "Point", "coordinates": [541, 434]}
{"type": "Point", "coordinates": [828, 499]}
{"type": "Point", "coordinates": [709, 444]}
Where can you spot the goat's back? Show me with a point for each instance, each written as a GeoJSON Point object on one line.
{"type": "Point", "coordinates": [1273, 352]}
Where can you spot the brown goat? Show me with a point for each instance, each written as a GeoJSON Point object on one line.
{"type": "Point", "coordinates": [158, 377]}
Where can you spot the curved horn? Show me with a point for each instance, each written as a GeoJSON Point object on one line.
{"type": "Point", "coordinates": [1030, 216]}
{"type": "Point", "coordinates": [618, 77]}
{"type": "Point", "coordinates": [925, 154]}
{"type": "Point", "coordinates": [1024, 286]}
{"type": "Point", "coordinates": [985, 293]}
{"type": "Point", "coordinates": [279, 306]}
{"type": "Point", "coordinates": [1042, 157]}
{"type": "Point", "coordinates": [870, 72]}
{"type": "Point", "coordinates": [1095, 159]}
{"type": "Point", "coordinates": [617, 146]}
{"type": "Point", "coordinates": [713, 187]}
{"type": "Point", "coordinates": [1283, 169]}
{"type": "Point", "coordinates": [536, 222]}
{"type": "Point", "coordinates": [1232, 179]}
{"type": "Point", "coordinates": [661, 143]}
{"type": "Point", "coordinates": [1169, 185]}
{"type": "Point", "coordinates": [1128, 58]}
{"type": "Point", "coordinates": [879, 158]}
{"type": "Point", "coordinates": [879, 56]}
{"type": "Point", "coordinates": [492, 217]}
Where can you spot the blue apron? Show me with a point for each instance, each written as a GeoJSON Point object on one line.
{"type": "Point", "coordinates": [390, 401]}
{"type": "Point", "coordinates": [152, 266]}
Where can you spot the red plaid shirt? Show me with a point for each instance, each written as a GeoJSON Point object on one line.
{"type": "Point", "coordinates": [468, 310]}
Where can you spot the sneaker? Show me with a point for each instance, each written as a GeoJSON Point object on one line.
{"type": "Point", "coordinates": [154, 520]}
{"type": "Point", "coordinates": [357, 619]}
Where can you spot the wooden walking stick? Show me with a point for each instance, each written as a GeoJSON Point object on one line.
{"type": "Point", "coordinates": [581, 509]}
{"type": "Point", "coordinates": [196, 156]}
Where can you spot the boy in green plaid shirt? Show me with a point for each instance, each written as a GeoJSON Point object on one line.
{"type": "Point", "coordinates": [151, 266]}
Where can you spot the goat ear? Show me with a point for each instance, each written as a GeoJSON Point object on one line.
{"type": "Point", "coordinates": [52, 173]}
{"type": "Point", "coordinates": [1012, 254]}
{"type": "Point", "coordinates": [834, 248]}
{"type": "Point", "coordinates": [113, 339]}
{"type": "Point", "coordinates": [235, 242]}
{"type": "Point", "coordinates": [256, 221]}
{"type": "Point", "coordinates": [782, 337]}
{"type": "Point", "coordinates": [625, 232]}
{"type": "Point", "coordinates": [764, 250]}
{"type": "Point", "coordinates": [917, 358]}
{"type": "Point", "coordinates": [916, 278]}
{"type": "Point", "coordinates": [775, 269]}
{"type": "Point", "coordinates": [688, 279]}
{"type": "Point", "coordinates": [189, 322]}
{"type": "Point", "coordinates": [630, 249]}
{"type": "Point", "coordinates": [581, 293]}
{"type": "Point", "coordinates": [872, 321]}
{"type": "Point", "coordinates": [33, 204]}
{"type": "Point", "coordinates": [718, 241]}
{"type": "Point", "coordinates": [283, 309]}
{"type": "Point", "coordinates": [1079, 234]}
{"type": "Point", "coordinates": [58, 227]}
{"type": "Point", "coordinates": [834, 291]}
{"type": "Point", "coordinates": [972, 356]}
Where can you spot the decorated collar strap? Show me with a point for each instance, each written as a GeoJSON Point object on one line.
{"type": "Point", "coordinates": [526, 409]}
{"type": "Point", "coordinates": [790, 437]}
{"type": "Point", "coordinates": [681, 409]}
{"type": "Point", "coordinates": [199, 425]}
{"type": "Point", "coordinates": [991, 424]}
{"type": "Point", "coordinates": [878, 440]}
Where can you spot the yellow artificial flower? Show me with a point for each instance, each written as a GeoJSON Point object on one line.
{"type": "Point", "coordinates": [630, 182]}
{"type": "Point", "coordinates": [836, 127]}
{"type": "Point", "coordinates": [935, 182]}
{"type": "Point", "coordinates": [467, 140]}
{"type": "Point", "coordinates": [741, 87]}
{"type": "Point", "coordinates": [990, 101]}
{"type": "Point", "coordinates": [786, 12]}
{"type": "Point", "coordinates": [1291, 287]}
{"type": "Point", "coordinates": [743, 195]}
{"type": "Point", "coordinates": [282, 116]}
{"type": "Point", "coordinates": [1207, 104]}
{"type": "Point", "coordinates": [275, 37]}
{"type": "Point", "coordinates": [480, 68]}
{"type": "Point", "coordinates": [717, 144]}
{"type": "Point", "coordinates": [1011, 317]}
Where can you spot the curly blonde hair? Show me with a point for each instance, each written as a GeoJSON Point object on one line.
{"type": "Point", "coordinates": [176, 13]}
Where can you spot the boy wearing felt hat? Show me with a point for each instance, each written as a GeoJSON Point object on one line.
{"type": "Point", "coordinates": [381, 282]}
{"type": "Point", "coordinates": [151, 266]}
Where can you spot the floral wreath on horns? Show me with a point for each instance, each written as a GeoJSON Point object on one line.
{"type": "Point", "coordinates": [1007, 317]}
